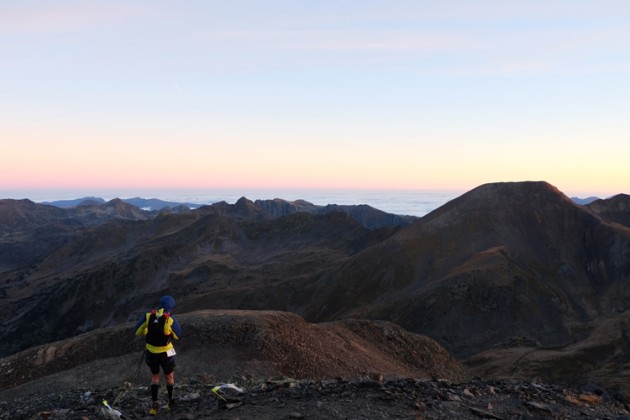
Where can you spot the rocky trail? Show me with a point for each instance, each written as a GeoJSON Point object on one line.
{"type": "Point", "coordinates": [368, 398]}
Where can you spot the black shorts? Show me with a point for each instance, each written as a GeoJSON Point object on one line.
{"type": "Point", "coordinates": [155, 360]}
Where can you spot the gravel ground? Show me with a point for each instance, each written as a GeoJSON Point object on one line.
{"type": "Point", "coordinates": [334, 399]}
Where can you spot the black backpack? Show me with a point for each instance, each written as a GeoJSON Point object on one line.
{"type": "Point", "coordinates": [155, 327]}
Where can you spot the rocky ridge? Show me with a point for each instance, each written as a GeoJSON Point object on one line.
{"type": "Point", "coordinates": [286, 369]}
{"type": "Point", "coordinates": [257, 343]}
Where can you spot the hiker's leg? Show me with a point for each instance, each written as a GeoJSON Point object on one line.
{"type": "Point", "coordinates": [155, 386]}
{"type": "Point", "coordinates": [154, 365]}
{"type": "Point", "coordinates": [169, 378]}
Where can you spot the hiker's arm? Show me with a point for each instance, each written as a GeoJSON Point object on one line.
{"type": "Point", "coordinates": [141, 326]}
{"type": "Point", "coordinates": [176, 329]}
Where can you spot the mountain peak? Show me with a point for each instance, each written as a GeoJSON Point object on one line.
{"type": "Point", "coordinates": [519, 191]}
{"type": "Point", "coordinates": [503, 198]}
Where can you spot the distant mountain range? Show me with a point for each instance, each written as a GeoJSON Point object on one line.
{"type": "Point", "coordinates": [515, 279]}
{"type": "Point", "coordinates": [150, 204]}
{"type": "Point", "coordinates": [154, 204]}
{"type": "Point", "coordinates": [584, 201]}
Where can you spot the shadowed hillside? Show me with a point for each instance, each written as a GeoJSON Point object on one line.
{"type": "Point", "coordinates": [220, 256]}
{"type": "Point", "coordinates": [503, 265]}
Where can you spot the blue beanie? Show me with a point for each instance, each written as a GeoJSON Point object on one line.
{"type": "Point", "coordinates": [167, 302]}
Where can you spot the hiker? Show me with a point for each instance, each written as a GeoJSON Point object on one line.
{"type": "Point", "coordinates": [160, 327]}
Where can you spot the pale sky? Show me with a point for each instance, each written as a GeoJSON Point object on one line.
{"type": "Point", "coordinates": [387, 94]}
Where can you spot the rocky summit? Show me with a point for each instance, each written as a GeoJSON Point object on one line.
{"type": "Point", "coordinates": [511, 283]}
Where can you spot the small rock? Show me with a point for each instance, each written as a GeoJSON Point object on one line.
{"type": "Point", "coordinates": [230, 403]}
{"type": "Point", "coordinates": [191, 397]}
{"type": "Point", "coordinates": [370, 384]}
{"type": "Point", "coordinates": [420, 406]}
{"type": "Point", "coordinates": [539, 406]}
{"type": "Point", "coordinates": [484, 414]}
{"type": "Point", "coordinates": [230, 406]}
{"type": "Point", "coordinates": [590, 399]}
{"type": "Point", "coordinates": [376, 376]}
